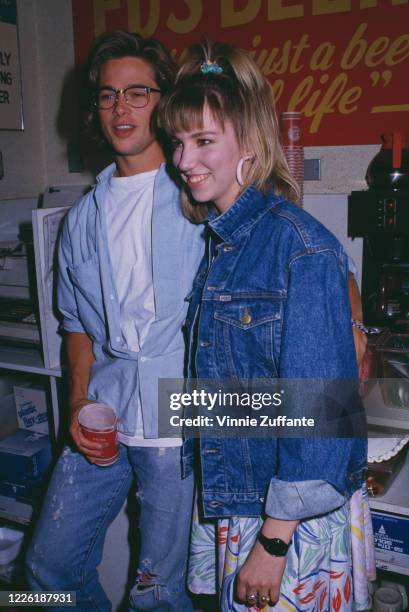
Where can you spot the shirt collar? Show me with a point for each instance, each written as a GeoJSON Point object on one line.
{"type": "Point", "coordinates": [246, 210]}
{"type": "Point", "coordinates": [106, 173]}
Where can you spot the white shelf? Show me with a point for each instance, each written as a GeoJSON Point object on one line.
{"type": "Point", "coordinates": [396, 498]}
{"type": "Point", "coordinates": [391, 567]}
{"type": "Point", "coordinates": [42, 357]}
{"type": "Point", "coordinates": [25, 359]}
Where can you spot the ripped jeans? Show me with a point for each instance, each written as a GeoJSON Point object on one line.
{"type": "Point", "coordinates": [82, 501]}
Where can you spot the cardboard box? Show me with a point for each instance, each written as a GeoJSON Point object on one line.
{"type": "Point", "coordinates": [31, 407]}
{"type": "Point", "coordinates": [391, 536]}
{"type": "Point", "coordinates": [24, 459]}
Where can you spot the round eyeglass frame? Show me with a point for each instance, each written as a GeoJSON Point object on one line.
{"type": "Point", "coordinates": [147, 90]}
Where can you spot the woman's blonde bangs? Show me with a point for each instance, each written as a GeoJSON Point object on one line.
{"type": "Point", "coordinates": [183, 110]}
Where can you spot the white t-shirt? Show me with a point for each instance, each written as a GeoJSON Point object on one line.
{"type": "Point", "coordinates": [128, 210]}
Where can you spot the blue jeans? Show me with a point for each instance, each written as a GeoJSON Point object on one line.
{"type": "Point", "coordinates": [82, 501]}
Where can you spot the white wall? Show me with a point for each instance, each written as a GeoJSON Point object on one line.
{"type": "Point", "coordinates": [36, 157]}
{"type": "Point", "coordinates": [23, 154]}
{"type": "Point", "coordinates": [332, 210]}
{"type": "Point", "coordinates": [56, 55]}
{"type": "Point", "coordinates": [342, 168]}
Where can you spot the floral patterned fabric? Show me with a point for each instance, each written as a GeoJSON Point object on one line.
{"type": "Point", "coordinates": [363, 549]}
{"type": "Point", "coordinates": [318, 575]}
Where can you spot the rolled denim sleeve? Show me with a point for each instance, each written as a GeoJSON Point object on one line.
{"type": "Point", "coordinates": [316, 343]}
{"type": "Point", "coordinates": [67, 303]}
{"type": "Point", "coordinates": [300, 500]}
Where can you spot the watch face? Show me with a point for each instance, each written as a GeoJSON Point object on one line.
{"type": "Point", "coordinates": [277, 547]}
{"type": "Point", "coordinates": [274, 546]}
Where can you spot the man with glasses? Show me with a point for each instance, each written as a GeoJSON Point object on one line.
{"type": "Point", "coordinates": [127, 259]}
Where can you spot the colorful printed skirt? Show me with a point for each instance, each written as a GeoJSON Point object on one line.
{"type": "Point", "coordinates": [328, 566]}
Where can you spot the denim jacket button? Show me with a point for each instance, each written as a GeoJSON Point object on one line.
{"type": "Point", "coordinates": [246, 318]}
{"type": "Point", "coordinates": [214, 504]}
{"type": "Point", "coordinates": [204, 343]}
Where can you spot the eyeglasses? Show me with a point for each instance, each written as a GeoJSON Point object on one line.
{"type": "Point", "coordinates": [136, 96]}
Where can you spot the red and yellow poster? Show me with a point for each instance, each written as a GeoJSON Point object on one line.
{"type": "Point", "coordinates": [343, 63]}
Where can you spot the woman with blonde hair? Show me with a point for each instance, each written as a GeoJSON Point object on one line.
{"type": "Point", "coordinates": [270, 301]}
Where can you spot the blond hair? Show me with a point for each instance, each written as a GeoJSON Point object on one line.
{"type": "Point", "coordinates": [240, 94]}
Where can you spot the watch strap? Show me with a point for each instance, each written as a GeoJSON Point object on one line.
{"type": "Point", "coordinates": [274, 546]}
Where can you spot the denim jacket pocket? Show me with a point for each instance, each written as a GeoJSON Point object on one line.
{"type": "Point", "coordinates": [246, 336]}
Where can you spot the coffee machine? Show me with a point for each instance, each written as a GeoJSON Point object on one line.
{"type": "Point", "coordinates": [380, 215]}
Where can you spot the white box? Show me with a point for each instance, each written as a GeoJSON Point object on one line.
{"type": "Point", "coordinates": [391, 538]}
{"type": "Point", "coordinates": [31, 407]}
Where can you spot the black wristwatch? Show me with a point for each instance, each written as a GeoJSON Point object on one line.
{"type": "Point", "coordinates": [274, 546]}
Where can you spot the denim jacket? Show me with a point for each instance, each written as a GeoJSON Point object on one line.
{"type": "Point", "coordinates": [271, 300]}
{"type": "Point", "coordinates": [88, 300]}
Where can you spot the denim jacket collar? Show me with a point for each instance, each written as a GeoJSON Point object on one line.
{"type": "Point", "coordinates": [241, 216]}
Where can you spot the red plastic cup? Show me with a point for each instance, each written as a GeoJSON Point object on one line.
{"type": "Point", "coordinates": [291, 129]}
{"type": "Point", "coordinates": [98, 424]}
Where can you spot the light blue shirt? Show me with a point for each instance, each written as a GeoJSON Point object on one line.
{"type": "Point", "coordinates": [89, 303]}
